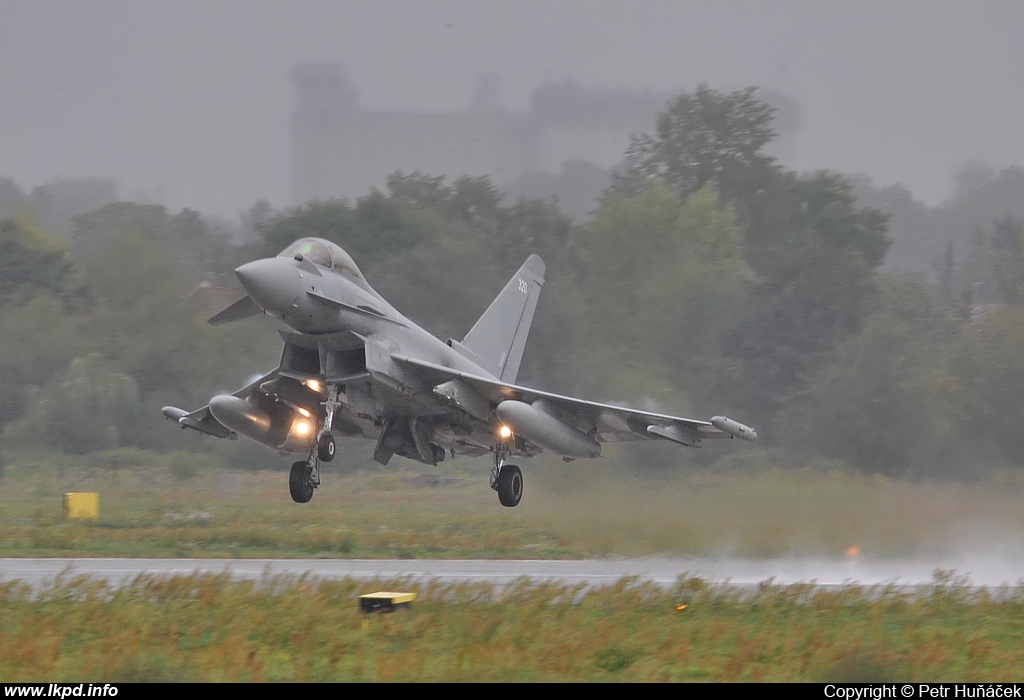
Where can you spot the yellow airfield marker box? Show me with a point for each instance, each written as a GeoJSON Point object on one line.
{"type": "Point", "coordinates": [385, 601]}
{"type": "Point", "coordinates": [81, 505]}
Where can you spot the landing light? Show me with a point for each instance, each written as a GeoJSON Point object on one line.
{"type": "Point", "coordinates": [302, 427]}
{"type": "Point", "coordinates": [505, 432]}
{"type": "Point", "coordinates": [313, 384]}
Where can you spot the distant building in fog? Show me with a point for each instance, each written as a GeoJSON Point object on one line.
{"type": "Point", "coordinates": [340, 149]}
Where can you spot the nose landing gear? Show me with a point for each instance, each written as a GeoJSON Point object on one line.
{"type": "Point", "coordinates": [305, 476]}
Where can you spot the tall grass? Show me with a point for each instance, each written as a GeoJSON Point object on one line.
{"type": "Point", "coordinates": [211, 628]}
{"type": "Point", "coordinates": [771, 512]}
{"type": "Point", "coordinates": [569, 511]}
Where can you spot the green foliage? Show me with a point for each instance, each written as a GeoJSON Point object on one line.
{"type": "Point", "coordinates": [981, 195]}
{"type": "Point", "coordinates": [38, 338]}
{"type": "Point", "coordinates": [577, 187]}
{"type": "Point", "coordinates": [137, 317]}
{"type": "Point", "coordinates": [31, 259]}
{"type": "Point", "coordinates": [90, 407]}
{"type": "Point", "coordinates": [650, 269]}
{"type": "Point", "coordinates": [58, 203]}
{"type": "Point", "coordinates": [884, 402]}
{"type": "Point", "coordinates": [814, 254]}
{"type": "Point", "coordinates": [709, 280]}
{"type": "Point", "coordinates": [332, 219]}
{"type": "Point", "coordinates": [1007, 245]}
{"type": "Point", "coordinates": [195, 247]}
{"type": "Point", "coordinates": [148, 318]}
{"type": "Point", "coordinates": [123, 300]}
{"type": "Point", "coordinates": [39, 333]}
{"type": "Point", "coordinates": [701, 137]}
{"type": "Point", "coordinates": [812, 250]}
{"type": "Point", "coordinates": [988, 364]}
{"type": "Point", "coordinates": [11, 197]}
{"type": "Point", "coordinates": [916, 230]}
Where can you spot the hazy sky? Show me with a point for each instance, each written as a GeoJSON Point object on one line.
{"type": "Point", "coordinates": [188, 101]}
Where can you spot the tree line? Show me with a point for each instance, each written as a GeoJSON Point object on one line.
{"type": "Point", "coordinates": [709, 279]}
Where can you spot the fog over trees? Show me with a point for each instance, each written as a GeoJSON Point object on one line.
{"type": "Point", "coordinates": [851, 324]}
{"type": "Point", "coordinates": [808, 216]}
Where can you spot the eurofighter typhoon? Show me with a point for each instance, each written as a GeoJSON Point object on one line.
{"type": "Point", "coordinates": [352, 365]}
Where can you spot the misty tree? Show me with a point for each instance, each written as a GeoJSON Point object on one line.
{"type": "Point", "coordinates": [981, 196]}
{"type": "Point", "coordinates": [658, 280]}
{"type": "Point", "coordinates": [39, 331]}
{"type": "Point", "coordinates": [148, 317]}
{"type": "Point", "coordinates": [915, 230]}
{"type": "Point", "coordinates": [127, 300]}
{"type": "Point", "coordinates": [30, 258]}
{"type": "Point", "coordinates": [986, 362]}
{"type": "Point", "coordinates": [814, 252]}
{"type": "Point", "coordinates": [884, 402]}
{"type": "Point", "coordinates": [253, 220]}
{"type": "Point", "coordinates": [952, 293]}
{"type": "Point", "coordinates": [199, 249]}
{"type": "Point", "coordinates": [11, 197]}
{"type": "Point", "coordinates": [1007, 246]}
{"type": "Point", "coordinates": [332, 219]}
{"type": "Point", "coordinates": [812, 249]}
{"type": "Point", "coordinates": [577, 187]}
{"type": "Point", "coordinates": [89, 407]}
{"type": "Point", "coordinates": [58, 203]}
{"type": "Point", "coordinates": [702, 136]}
{"type": "Point", "coordinates": [993, 271]}
{"type": "Point", "coordinates": [38, 337]}
{"type": "Point", "coordinates": [981, 193]}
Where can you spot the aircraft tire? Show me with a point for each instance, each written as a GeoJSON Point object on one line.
{"type": "Point", "coordinates": [299, 483]}
{"type": "Point", "coordinates": [325, 447]}
{"type": "Point", "coordinates": [510, 485]}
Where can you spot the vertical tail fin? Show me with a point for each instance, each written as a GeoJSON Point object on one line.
{"type": "Point", "coordinates": [499, 336]}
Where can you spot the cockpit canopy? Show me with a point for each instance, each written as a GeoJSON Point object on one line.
{"type": "Point", "coordinates": [325, 254]}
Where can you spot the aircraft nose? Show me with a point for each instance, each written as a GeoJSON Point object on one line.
{"type": "Point", "coordinates": [273, 283]}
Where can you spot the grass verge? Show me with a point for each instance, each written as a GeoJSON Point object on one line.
{"type": "Point", "coordinates": [569, 511]}
{"type": "Point", "coordinates": [211, 628]}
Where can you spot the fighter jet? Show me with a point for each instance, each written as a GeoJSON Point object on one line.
{"type": "Point", "coordinates": [352, 365]}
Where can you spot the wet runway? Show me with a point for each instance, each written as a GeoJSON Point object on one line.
{"type": "Point", "coordinates": [992, 570]}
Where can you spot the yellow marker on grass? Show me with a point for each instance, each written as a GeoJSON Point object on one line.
{"type": "Point", "coordinates": [385, 601]}
{"type": "Point", "coordinates": [81, 505]}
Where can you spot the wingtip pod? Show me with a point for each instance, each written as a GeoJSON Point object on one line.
{"type": "Point", "coordinates": [734, 428]}
{"type": "Point", "coordinates": [173, 413]}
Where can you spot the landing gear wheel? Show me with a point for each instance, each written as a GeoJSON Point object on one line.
{"type": "Point", "coordinates": [509, 485]}
{"type": "Point", "coordinates": [325, 447]}
{"type": "Point", "coordinates": [300, 482]}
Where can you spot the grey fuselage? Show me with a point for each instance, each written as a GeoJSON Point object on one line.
{"type": "Point", "coordinates": [318, 301]}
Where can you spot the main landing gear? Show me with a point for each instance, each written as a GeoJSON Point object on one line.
{"type": "Point", "coordinates": [302, 481]}
{"type": "Point", "coordinates": [506, 479]}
